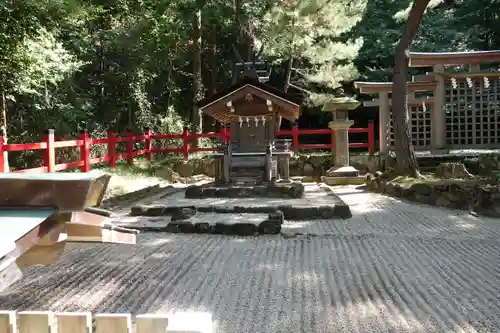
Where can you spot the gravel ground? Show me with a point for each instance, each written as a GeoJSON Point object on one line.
{"type": "Point", "coordinates": [393, 267]}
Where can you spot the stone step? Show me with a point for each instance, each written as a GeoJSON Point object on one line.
{"type": "Point", "coordinates": [246, 174]}
{"type": "Point", "coordinates": [191, 221]}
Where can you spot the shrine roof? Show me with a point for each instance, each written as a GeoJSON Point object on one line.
{"type": "Point", "coordinates": [220, 106]}
{"type": "Point", "coordinates": [248, 81]}
{"type": "Point", "coordinates": [428, 59]}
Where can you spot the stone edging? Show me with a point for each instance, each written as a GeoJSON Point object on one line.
{"type": "Point", "coordinates": [189, 220]}
{"type": "Point", "coordinates": [480, 198]}
{"type": "Point", "coordinates": [290, 212]}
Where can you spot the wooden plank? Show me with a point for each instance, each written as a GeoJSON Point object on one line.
{"type": "Point", "coordinates": [411, 102]}
{"type": "Point", "coordinates": [426, 77]}
{"type": "Point", "coordinates": [74, 322]}
{"type": "Point", "coordinates": [377, 87]}
{"type": "Point", "coordinates": [427, 59]}
{"type": "Point", "coordinates": [41, 255]}
{"type": "Point", "coordinates": [8, 323]}
{"type": "Point", "coordinates": [113, 323]}
{"type": "Point", "coordinates": [83, 230]}
{"type": "Point", "coordinates": [89, 233]}
{"type": "Point", "coordinates": [152, 323]}
{"type": "Point", "coordinates": [36, 322]}
{"type": "Point", "coordinates": [55, 235]}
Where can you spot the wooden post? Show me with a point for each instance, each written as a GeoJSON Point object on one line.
{"type": "Point", "coordinates": [269, 161]}
{"type": "Point", "coordinates": [286, 167]}
{"type": "Point", "coordinates": [2, 156]}
{"type": "Point", "coordinates": [223, 134]}
{"type": "Point", "coordinates": [49, 154]}
{"type": "Point", "coordinates": [8, 319]}
{"type": "Point", "coordinates": [151, 323]}
{"type": "Point", "coordinates": [113, 323]}
{"type": "Point", "coordinates": [74, 322]}
{"type": "Point", "coordinates": [226, 170]}
{"type": "Point", "coordinates": [295, 137]}
{"type": "Point", "coordinates": [438, 117]}
{"type": "Point", "coordinates": [130, 147]}
{"type": "Point", "coordinates": [185, 144]}
{"type": "Point", "coordinates": [371, 137]}
{"type": "Point", "coordinates": [36, 321]}
{"type": "Point", "coordinates": [85, 152]}
{"type": "Point", "coordinates": [112, 149]}
{"type": "Point", "coordinates": [148, 145]}
{"type": "Point", "coordinates": [384, 121]}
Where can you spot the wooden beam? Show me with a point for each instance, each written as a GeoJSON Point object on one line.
{"type": "Point", "coordinates": [425, 59]}
{"type": "Point", "coordinates": [376, 87]}
{"type": "Point", "coordinates": [412, 102]}
{"type": "Point", "coordinates": [425, 77]}
{"type": "Point", "coordinates": [78, 232]}
{"type": "Point", "coordinates": [471, 75]}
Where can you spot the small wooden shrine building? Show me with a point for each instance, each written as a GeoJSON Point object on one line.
{"type": "Point", "coordinates": [455, 106]}
{"type": "Point", "coordinates": [253, 111]}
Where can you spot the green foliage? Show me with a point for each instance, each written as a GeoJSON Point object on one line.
{"type": "Point", "coordinates": [115, 64]}
{"type": "Point", "coordinates": [308, 31]}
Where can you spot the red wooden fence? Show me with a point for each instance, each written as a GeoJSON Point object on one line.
{"type": "Point", "coordinates": [50, 144]}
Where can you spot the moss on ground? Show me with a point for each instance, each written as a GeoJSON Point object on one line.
{"type": "Point", "coordinates": [431, 179]}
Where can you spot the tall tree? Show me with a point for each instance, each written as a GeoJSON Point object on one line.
{"type": "Point", "coordinates": [405, 154]}
{"type": "Point", "coordinates": [197, 118]}
{"type": "Point", "coordinates": [307, 32]}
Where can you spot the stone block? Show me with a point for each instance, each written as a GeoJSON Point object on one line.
{"type": "Point", "coordinates": [270, 228]}
{"type": "Point", "coordinates": [183, 214]}
{"type": "Point", "coordinates": [335, 181]}
{"type": "Point", "coordinates": [276, 216]}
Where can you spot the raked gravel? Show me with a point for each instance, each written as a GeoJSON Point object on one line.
{"type": "Point", "coordinates": [393, 267]}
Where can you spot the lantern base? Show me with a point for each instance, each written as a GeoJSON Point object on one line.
{"type": "Point", "coordinates": [346, 175]}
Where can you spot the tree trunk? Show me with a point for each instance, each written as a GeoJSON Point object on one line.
{"type": "Point", "coordinates": [405, 154]}
{"type": "Point", "coordinates": [3, 130]}
{"type": "Point", "coordinates": [212, 81]}
{"type": "Point", "coordinates": [213, 70]}
{"type": "Point", "coordinates": [288, 75]}
{"type": "Point", "coordinates": [196, 117]}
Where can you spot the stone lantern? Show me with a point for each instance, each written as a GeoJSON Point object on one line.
{"type": "Point", "coordinates": [340, 107]}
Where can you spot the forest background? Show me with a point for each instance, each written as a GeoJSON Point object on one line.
{"type": "Point", "coordinates": [99, 65]}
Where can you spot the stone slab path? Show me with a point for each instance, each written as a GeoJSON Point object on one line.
{"type": "Point", "coordinates": [314, 196]}
{"type": "Point", "coordinates": [393, 267]}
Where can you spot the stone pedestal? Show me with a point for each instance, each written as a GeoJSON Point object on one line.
{"type": "Point", "coordinates": [341, 130]}
{"type": "Point", "coordinates": [341, 173]}
{"type": "Point", "coordinates": [269, 163]}
{"type": "Point", "coordinates": [226, 164]}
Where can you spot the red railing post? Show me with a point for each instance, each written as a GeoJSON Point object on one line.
{"type": "Point", "coordinates": [49, 154]}
{"type": "Point", "coordinates": [185, 144]}
{"type": "Point", "coordinates": [295, 137]}
{"type": "Point", "coordinates": [371, 137]}
{"type": "Point", "coordinates": [85, 152]}
{"type": "Point", "coordinates": [148, 145]}
{"type": "Point", "coordinates": [223, 134]}
{"type": "Point", "coordinates": [332, 140]}
{"type": "Point", "coordinates": [130, 147]}
{"type": "Point", "coordinates": [2, 157]}
{"type": "Point", "coordinates": [112, 149]}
